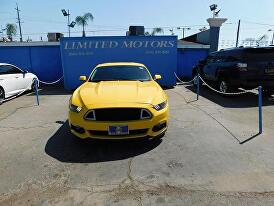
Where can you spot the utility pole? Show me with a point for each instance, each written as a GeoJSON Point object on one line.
{"type": "Point", "coordinates": [68, 23]}
{"type": "Point", "coordinates": [238, 33]}
{"type": "Point", "coordinates": [183, 30]}
{"type": "Point", "coordinates": [19, 22]}
{"type": "Point", "coordinates": [67, 14]}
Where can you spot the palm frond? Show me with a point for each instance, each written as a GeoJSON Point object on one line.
{"type": "Point", "coordinates": [156, 30]}
{"type": "Point", "coordinates": [79, 20]}
{"type": "Point", "coordinates": [83, 20]}
{"type": "Point", "coordinates": [88, 16]}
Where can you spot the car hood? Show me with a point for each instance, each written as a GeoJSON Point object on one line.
{"type": "Point", "coordinates": [117, 92]}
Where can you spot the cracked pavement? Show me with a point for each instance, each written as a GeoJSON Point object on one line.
{"type": "Point", "coordinates": [200, 161]}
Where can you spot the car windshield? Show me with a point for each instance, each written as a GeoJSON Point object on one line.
{"type": "Point", "coordinates": [120, 73]}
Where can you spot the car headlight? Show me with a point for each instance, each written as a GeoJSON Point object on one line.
{"type": "Point", "coordinates": [160, 106]}
{"type": "Point", "coordinates": [74, 108]}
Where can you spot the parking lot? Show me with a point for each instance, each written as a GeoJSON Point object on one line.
{"type": "Point", "coordinates": [211, 155]}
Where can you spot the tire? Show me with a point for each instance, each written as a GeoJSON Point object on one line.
{"type": "Point", "coordinates": [33, 88]}
{"type": "Point", "coordinates": [225, 87]}
{"type": "Point", "coordinates": [2, 95]}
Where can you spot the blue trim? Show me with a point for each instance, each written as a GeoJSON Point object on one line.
{"type": "Point", "coordinates": [260, 110]}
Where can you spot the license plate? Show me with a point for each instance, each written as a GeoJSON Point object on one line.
{"type": "Point", "coordinates": [269, 70]}
{"type": "Point", "coordinates": [118, 130]}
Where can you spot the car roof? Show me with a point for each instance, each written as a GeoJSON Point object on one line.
{"type": "Point", "coordinates": [239, 49]}
{"type": "Point", "coordinates": [120, 64]}
{"type": "Point", "coordinates": [1, 64]}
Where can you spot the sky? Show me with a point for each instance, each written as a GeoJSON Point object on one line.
{"type": "Point", "coordinates": [113, 17]}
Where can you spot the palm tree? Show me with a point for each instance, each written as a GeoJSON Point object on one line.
{"type": "Point", "coordinates": [155, 31]}
{"type": "Point", "coordinates": [83, 21]}
{"type": "Point", "coordinates": [11, 30]}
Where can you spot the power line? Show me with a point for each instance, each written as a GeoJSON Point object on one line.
{"type": "Point", "coordinates": [258, 23]}
{"type": "Point", "coordinates": [94, 31]}
{"type": "Point", "coordinates": [5, 12]}
{"type": "Point", "coordinates": [32, 19]}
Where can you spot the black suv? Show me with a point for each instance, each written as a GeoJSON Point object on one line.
{"type": "Point", "coordinates": [235, 68]}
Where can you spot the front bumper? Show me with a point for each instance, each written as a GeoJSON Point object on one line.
{"type": "Point", "coordinates": [138, 128]}
{"type": "Point", "coordinates": [250, 80]}
{"type": "Point", "coordinates": [252, 83]}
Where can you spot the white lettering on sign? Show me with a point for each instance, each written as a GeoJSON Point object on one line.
{"type": "Point", "coordinates": [79, 45]}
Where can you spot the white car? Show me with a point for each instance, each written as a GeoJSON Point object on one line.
{"type": "Point", "coordinates": [14, 81]}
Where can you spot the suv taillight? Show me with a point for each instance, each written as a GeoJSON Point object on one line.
{"type": "Point", "coordinates": [242, 67]}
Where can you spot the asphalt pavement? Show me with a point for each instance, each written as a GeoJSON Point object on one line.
{"type": "Point", "coordinates": [212, 154]}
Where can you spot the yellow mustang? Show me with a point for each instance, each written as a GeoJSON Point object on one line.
{"type": "Point", "coordinates": [119, 101]}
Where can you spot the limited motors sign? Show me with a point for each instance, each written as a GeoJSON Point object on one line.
{"type": "Point", "coordinates": [76, 45]}
{"type": "Point", "coordinates": [80, 55]}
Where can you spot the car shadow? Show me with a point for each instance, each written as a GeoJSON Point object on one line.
{"type": "Point", "coordinates": [65, 147]}
{"type": "Point", "coordinates": [237, 101]}
{"type": "Point", "coordinates": [51, 90]}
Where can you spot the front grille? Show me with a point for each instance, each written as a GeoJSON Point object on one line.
{"type": "Point", "coordinates": [131, 132]}
{"type": "Point", "coordinates": [117, 114]}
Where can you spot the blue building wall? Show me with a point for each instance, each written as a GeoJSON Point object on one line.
{"type": "Point", "coordinates": [43, 60]}
{"type": "Point", "coordinates": [81, 55]}
{"type": "Point", "coordinates": [187, 58]}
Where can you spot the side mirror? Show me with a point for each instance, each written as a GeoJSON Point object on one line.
{"type": "Point", "coordinates": [157, 77]}
{"type": "Point", "coordinates": [24, 71]}
{"type": "Point", "coordinates": [83, 78]}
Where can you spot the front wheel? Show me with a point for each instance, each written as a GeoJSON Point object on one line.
{"type": "Point", "coordinates": [33, 87]}
{"type": "Point", "coordinates": [2, 95]}
{"type": "Point", "coordinates": [225, 87]}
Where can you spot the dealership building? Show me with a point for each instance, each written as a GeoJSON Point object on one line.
{"type": "Point", "coordinates": [75, 56]}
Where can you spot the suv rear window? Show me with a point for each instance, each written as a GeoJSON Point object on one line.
{"type": "Point", "coordinates": [259, 54]}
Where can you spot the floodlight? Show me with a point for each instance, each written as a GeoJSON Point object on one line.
{"type": "Point", "coordinates": [213, 7]}
{"type": "Point", "coordinates": [72, 24]}
{"type": "Point", "coordinates": [64, 12]}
